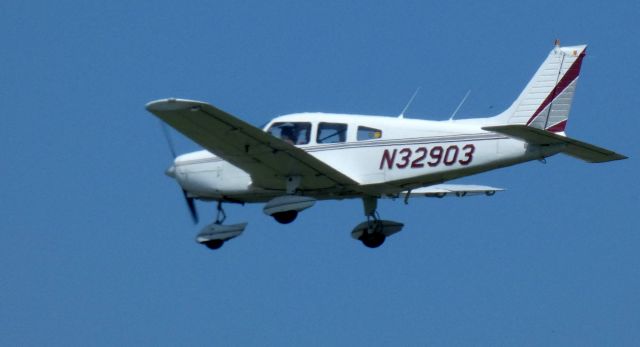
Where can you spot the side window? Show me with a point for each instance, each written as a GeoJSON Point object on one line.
{"type": "Point", "coordinates": [295, 133]}
{"type": "Point", "coordinates": [331, 133]}
{"type": "Point", "coordinates": [365, 133]}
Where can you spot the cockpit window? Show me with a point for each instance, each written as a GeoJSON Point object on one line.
{"type": "Point", "coordinates": [365, 133]}
{"type": "Point", "coordinates": [295, 133]}
{"type": "Point", "coordinates": [331, 133]}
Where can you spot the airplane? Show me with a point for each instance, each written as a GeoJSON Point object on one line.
{"type": "Point", "coordinates": [298, 159]}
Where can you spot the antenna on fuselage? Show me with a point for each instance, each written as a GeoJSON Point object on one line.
{"type": "Point", "coordinates": [409, 103]}
{"type": "Point", "coordinates": [460, 105]}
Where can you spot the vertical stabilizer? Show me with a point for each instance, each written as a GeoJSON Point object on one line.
{"type": "Point", "coordinates": [545, 102]}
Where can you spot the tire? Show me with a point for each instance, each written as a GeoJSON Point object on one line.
{"type": "Point", "coordinates": [285, 217]}
{"type": "Point", "coordinates": [373, 240]}
{"type": "Point", "coordinates": [214, 244]}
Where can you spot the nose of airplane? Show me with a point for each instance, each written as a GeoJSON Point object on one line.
{"type": "Point", "coordinates": [171, 171]}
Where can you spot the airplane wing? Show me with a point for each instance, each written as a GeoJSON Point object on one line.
{"type": "Point", "coordinates": [573, 147]}
{"type": "Point", "coordinates": [442, 190]}
{"type": "Point", "coordinates": [267, 159]}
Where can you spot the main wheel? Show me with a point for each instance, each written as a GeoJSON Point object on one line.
{"type": "Point", "coordinates": [373, 240]}
{"type": "Point", "coordinates": [285, 217]}
{"type": "Point", "coordinates": [213, 244]}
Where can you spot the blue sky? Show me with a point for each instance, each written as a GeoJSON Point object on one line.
{"type": "Point", "coordinates": [97, 247]}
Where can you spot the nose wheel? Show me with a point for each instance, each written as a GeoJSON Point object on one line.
{"type": "Point", "coordinates": [220, 216]}
{"type": "Point", "coordinates": [214, 235]}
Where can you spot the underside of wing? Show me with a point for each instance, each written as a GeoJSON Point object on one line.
{"type": "Point", "coordinates": [269, 160]}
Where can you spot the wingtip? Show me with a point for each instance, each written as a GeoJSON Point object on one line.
{"type": "Point", "coordinates": [171, 104]}
{"type": "Point", "coordinates": [159, 104]}
{"type": "Point", "coordinates": [619, 156]}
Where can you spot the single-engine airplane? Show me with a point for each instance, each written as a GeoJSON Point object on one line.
{"type": "Point", "coordinates": [300, 158]}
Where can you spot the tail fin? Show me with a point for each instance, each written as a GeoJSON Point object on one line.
{"type": "Point", "coordinates": [546, 100]}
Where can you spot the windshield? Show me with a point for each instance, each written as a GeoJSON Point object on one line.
{"type": "Point", "coordinates": [295, 133]}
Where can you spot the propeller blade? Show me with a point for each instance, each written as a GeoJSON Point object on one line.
{"type": "Point", "coordinates": [167, 136]}
{"type": "Point", "coordinates": [192, 206]}
{"type": "Point", "coordinates": [190, 201]}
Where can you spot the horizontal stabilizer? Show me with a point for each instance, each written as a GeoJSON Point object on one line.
{"type": "Point", "coordinates": [442, 190]}
{"type": "Point", "coordinates": [572, 147]}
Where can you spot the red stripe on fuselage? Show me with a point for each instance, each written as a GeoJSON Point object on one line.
{"type": "Point", "coordinates": [566, 80]}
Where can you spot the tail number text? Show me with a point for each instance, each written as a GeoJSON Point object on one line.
{"type": "Point", "coordinates": [421, 156]}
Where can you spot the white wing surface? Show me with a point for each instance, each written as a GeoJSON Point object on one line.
{"type": "Point", "coordinates": [268, 160]}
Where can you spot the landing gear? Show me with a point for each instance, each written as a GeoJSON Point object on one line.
{"type": "Point", "coordinates": [374, 231]}
{"type": "Point", "coordinates": [213, 244]}
{"type": "Point", "coordinates": [284, 209]}
{"type": "Point", "coordinates": [372, 235]}
{"type": "Point", "coordinates": [373, 240]}
{"type": "Point", "coordinates": [214, 235]}
{"type": "Point", "coordinates": [220, 216]}
{"type": "Point", "coordinates": [285, 217]}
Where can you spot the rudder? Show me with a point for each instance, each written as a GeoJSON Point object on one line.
{"type": "Point", "coordinates": [545, 102]}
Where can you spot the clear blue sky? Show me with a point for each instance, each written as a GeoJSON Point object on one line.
{"type": "Point", "coordinates": [96, 245]}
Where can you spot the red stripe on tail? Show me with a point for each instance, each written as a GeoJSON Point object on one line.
{"type": "Point", "coordinates": [558, 128]}
{"type": "Point", "coordinates": [566, 80]}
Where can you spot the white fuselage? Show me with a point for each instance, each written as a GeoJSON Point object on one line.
{"type": "Point", "coordinates": [407, 153]}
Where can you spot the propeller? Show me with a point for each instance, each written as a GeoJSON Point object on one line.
{"type": "Point", "coordinates": [191, 204]}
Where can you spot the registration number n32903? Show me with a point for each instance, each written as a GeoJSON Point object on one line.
{"type": "Point", "coordinates": [419, 157]}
